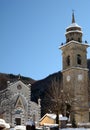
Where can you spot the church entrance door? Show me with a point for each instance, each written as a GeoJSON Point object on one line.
{"type": "Point", "coordinates": [18, 121]}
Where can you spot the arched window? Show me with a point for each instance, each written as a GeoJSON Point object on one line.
{"type": "Point", "coordinates": [89, 116]}
{"type": "Point", "coordinates": [79, 40]}
{"type": "Point", "coordinates": [34, 117]}
{"type": "Point", "coordinates": [68, 60]}
{"type": "Point", "coordinates": [72, 38]}
{"type": "Point", "coordinates": [79, 59]}
{"type": "Point", "coordinates": [67, 40]}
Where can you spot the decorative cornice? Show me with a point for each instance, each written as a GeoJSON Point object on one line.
{"type": "Point", "coordinates": [78, 68]}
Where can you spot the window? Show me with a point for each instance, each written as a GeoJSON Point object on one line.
{"type": "Point", "coordinates": [79, 40]}
{"type": "Point", "coordinates": [67, 40]}
{"type": "Point", "coordinates": [89, 116]}
{"type": "Point", "coordinates": [19, 87]}
{"type": "Point", "coordinates": [34, 117]}
{"type": "Point", "coordinates": [79, 59]}
{"type": "Point", "coordinates": [72, 38]}
{"type": "Point", "coordinates": [68, 60]}
{"type": "Point", "coordinates": [18, 111]}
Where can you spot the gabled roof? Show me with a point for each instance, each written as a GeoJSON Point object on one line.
{"type": "Point", "coordinates": [20, 83]}
{"type": "Point", "coordinates": [53, 116]}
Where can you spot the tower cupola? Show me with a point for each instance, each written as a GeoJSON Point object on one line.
{"type": "Point", "coordinates": [73, 32]}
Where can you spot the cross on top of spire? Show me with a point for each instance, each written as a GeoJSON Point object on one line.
{"type": "Point", "coordinates": [73, 18]}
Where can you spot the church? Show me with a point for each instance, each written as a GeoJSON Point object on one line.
{"type": "Point", "coordinates": [75, 72]}
{"type": "Point", "coordinates": [17, 107]}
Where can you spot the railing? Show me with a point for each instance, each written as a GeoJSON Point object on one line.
{"type": "Point", "coordinates": [83, 42]}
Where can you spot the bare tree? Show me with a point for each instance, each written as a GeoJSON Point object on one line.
{"type": "Point", "coordinates": [55, 99]}
{"type": "Point", "coordinates": [60, 101]}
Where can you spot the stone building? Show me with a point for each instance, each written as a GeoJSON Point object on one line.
{"type": "Point", "coordinates": [18, 107]}
{"type": "Point", "coordinates": [75, 72]}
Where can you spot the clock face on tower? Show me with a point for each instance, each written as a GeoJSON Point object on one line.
{"type": "Point", "coordinates": [80, 77]}
{"type": "Point", "coordinates": [68, 78]}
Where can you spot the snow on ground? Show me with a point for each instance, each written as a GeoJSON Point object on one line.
{"type": "Point", "coordinates": [20, 127]}
{"type": "Point", "coordinates": [24, 128]}
{"type": "Point", "coordinates": [4, 124]}
{"type": "Point", "coordinates": [76, 129]}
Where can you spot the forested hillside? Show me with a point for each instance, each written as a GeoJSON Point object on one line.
{"type": "Point", "coordinates": [11, 77]}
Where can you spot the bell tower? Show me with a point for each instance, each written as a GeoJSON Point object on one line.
{"type": "Point", "coordinates": [75, 72]}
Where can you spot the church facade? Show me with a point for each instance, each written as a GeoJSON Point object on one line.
{"type": "Point", "coordinates": [18, 107]}
{"type": "Point", "coordinates": [75, 72]}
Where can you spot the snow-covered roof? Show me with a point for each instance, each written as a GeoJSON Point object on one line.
{"type": "Point", "coordinates": [73, 25]}
{"type": "Point", "coordinates": [75, 42]}
{"type": "Point", "coordinates": [50, 125]}
{"type": "Point", "coordinates": [73, 31]}
{"type": "Point", "coordinates": [53, 116]}
{"type": "Point", "coordinates": [63, 118]}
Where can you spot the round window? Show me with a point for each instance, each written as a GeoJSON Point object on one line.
{"type": "Point", "coordinates": [19, 87]}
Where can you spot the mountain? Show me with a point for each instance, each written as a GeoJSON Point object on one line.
{"type": "Point", "coordinates": [11, 77]}
{"type": "Point", "coordinates": [40, 88]}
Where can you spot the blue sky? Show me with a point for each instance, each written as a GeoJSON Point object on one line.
{"type": "Point", "coordinates": [32, 30]}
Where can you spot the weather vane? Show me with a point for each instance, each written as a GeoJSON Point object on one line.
{"type": "Point", "coordinates": [73, 19]}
